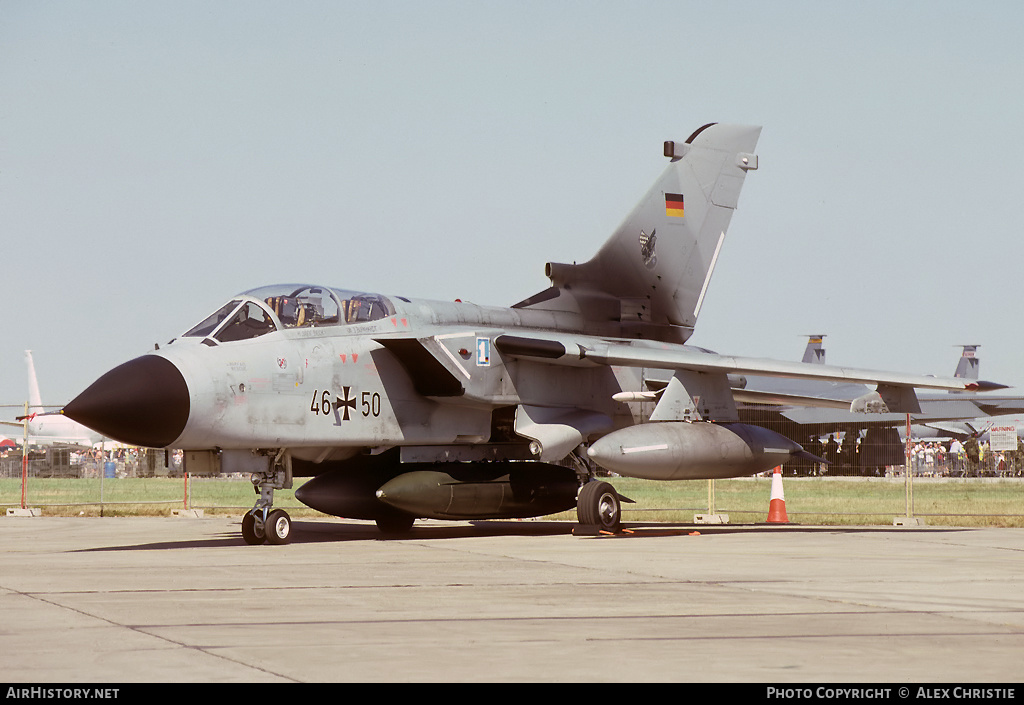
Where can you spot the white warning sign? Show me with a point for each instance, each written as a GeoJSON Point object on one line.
{"type": "Point", "coordinates": [1003, 438]}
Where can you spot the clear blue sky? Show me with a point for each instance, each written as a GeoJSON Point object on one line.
{"type": "Point", "coordinates": [158, 157]}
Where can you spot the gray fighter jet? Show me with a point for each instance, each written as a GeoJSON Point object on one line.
{"type": "Point", "coordinates": [403, 408]}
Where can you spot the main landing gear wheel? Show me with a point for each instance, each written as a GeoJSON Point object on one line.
{"type": "Point", "coordinates": [598, 505]}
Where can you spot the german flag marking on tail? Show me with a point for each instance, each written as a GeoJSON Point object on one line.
{"type": "Point", "coordinates": [674, 204]}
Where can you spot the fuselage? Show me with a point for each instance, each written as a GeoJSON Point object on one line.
{"type": "Point", "coordinates": [329, 385]}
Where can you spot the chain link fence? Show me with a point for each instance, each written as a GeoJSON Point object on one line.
{"type": "Point", "coordinates": [873, 453]}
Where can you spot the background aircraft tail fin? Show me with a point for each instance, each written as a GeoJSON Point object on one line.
{"type": "Point", "coordinates": [967, 367]}
{"type": "Point", "coordinates": [815, 350]}
{"type": "Point", "coordinates": [35, 401]}
{"type": "Point", "coordinates": [650, 278]}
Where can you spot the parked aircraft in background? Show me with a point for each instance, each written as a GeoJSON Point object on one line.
{"type": "Point", "coordinates": [963, 415]}
{"type": "Point", "coordinates": [47, 428]}
{"type": "Point", "coordinates": [1000, 409]}
{"type": "Point", "coordinates": [404, 408]}
{"type": "Point", "coordinates": [778, 405]}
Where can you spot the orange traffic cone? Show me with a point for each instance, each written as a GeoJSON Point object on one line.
{"type": "Point", "coordinates": [777, 506]}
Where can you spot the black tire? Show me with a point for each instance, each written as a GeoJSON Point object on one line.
{"type": "Point", "coordinates": [598, 505]}
{"type": "Point", "coordinates": [250, 533]}
{"type": "Point", "coordinates": [278, 527]}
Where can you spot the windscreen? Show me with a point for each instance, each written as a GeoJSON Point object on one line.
{"type": "Point", "coordinates": [210, 323]}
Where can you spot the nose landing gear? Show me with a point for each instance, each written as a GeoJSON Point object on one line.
{"type": "Point", "coordinates": [262, 523]}
{"type": "Point", "coordinates": [259, 526]}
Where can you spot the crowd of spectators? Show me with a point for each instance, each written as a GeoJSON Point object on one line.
{"type": "Point", "coordinates": [941, 457]}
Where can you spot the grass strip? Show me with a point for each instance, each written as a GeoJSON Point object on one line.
{"type": "Point", "coordinates": [825, 501]}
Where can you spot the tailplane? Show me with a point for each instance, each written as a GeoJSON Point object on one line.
{"type": "Point", "coordinates": [650, 278]}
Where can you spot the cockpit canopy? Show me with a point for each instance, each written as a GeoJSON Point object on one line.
{"type": "Point", "coordinates": [270, 308]}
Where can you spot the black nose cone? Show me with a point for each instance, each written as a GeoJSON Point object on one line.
{"type": "Point", "coordinates": [144, 402]}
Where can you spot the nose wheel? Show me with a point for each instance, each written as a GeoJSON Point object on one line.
{"type": "Point", "coordinates": [275, 527]}
{"type": "Point", "coordinates": [262, 523]}
{"type": "Point", "coordinates": [253, 528]}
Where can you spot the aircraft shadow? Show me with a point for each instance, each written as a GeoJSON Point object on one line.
{"type": "Point", "coordinates": [327, 532]}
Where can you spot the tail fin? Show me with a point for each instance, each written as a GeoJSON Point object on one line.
{"type": "Point", "coordinates": [649, 279]}
{"type": "Point", "coordinates": [35, 401]}
{"type": "Point", "coordinates": [967, 368]}
{"type": "Point", "coordinates": [815, 350]}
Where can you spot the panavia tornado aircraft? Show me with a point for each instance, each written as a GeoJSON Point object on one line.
{"type": "Point", "coordinates": [403, 408]}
